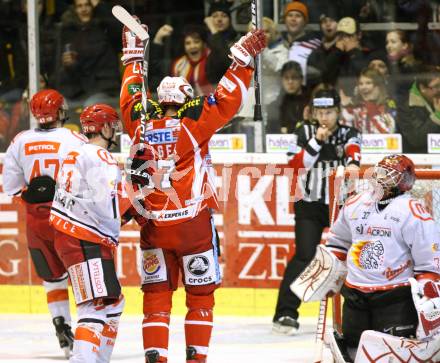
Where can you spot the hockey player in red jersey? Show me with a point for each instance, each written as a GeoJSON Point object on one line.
{"type": "Point", "coordinates": [85, 214]}
{"type": "Point", "coordinates": [174, 170]}
{"type": "Point", "coordinates": [30, 168]}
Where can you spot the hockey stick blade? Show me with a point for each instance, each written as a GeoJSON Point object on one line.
{"type": "Point", "coordinates": [125, 18]}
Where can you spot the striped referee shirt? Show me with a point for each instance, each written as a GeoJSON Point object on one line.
{"type": "Point", "coordinates": [315, 160]}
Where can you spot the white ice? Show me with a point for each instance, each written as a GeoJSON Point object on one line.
{"type": "Point", "coordinates": [31, 338]}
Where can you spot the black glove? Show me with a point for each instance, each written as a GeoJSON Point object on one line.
{"type": "Point", "coordinates": [140, 167]}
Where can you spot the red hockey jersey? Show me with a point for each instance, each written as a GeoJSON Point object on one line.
{"type": "Point", "coordinates": [182, 179]}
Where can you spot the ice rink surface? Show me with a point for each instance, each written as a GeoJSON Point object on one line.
{"type": "Point", "coordinates": [31, 338]}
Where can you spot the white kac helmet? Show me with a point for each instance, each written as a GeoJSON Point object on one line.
{"type": "Point", "coordinates": [174, 91]}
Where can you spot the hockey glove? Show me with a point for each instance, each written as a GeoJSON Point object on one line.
{"type": "Point", "coordinates": [140, 167]}
{"type": "Point", "coordinates": [426, 296]}
{"type": "Point", "coordinates": [248, 47]}
{"type": "Point", "coordinates": [132, 46]}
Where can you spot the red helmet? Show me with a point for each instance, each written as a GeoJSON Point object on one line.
{"type": "Point", "coordinates": [395, 171]}
{"type": "Point", "coordinates": [94, 117]}
{"type": "Point", "coordinates": [45, 105]}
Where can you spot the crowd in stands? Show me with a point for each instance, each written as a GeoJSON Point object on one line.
{"type": "Point", "coordinates": [388, 80]}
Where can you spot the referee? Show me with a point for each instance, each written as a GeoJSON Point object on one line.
{"type": "Point", "coordinates": [322, 145]}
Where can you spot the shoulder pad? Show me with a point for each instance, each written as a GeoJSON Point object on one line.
{"type": "Point", "coordinates": [192, 109]}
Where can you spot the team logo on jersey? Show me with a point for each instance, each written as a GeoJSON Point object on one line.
{"type": "Point", "coordinates": [134, 88]}
{"type": "Point", "coordinates": [435, 247]}
{"type": "Point", "coordinates": [379, 231]}
{"type": "Point", "coordinates": [151, 263]}
{"type": "Point", "coordinates": [198, 265]}
{"type": "Point", "coordinates": [368, 255]}
{"type": "Point", "coordinates": [161, 136]}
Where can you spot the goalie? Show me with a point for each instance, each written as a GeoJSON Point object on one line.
{"type": "Point", "coordinates": [390, 245]}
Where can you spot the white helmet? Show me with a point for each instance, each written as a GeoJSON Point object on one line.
{"type": "Point", "coordinates": [174, 91]}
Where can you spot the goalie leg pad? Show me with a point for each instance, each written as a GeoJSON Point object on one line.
{"type": "Point", "coordinates": [325, 273]}
{"type": "Point", "coordinates": [383, 348]}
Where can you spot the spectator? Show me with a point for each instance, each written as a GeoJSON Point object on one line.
{"type": "Point", "coordinates": [298, 44]}
{"type": "Point", "coordinates": [344, 65]}
{"type": "Point", "coordinates": [157, 54]}
{"type": "Point", "coordinates": [223, 35]}
{"type": "Point", "coordinates": [13, 66]}
{"type": "Point", "coordinates": [287, 110]}
{"type": "Point", "coordinates": [192, 64]}
{"type": "Point", "coordinates": [403, 65]}
{"type": "Point", "coordinates": [373, 112]}
{"type": "Point", "coordinates": [420, 114]}
{"type": "Point", "coordinates": [380, 66]}
{"type": "Point", "coordinates": [316, 61]}
{"type": "Point", "coordinates": [89, 72]}
{"type": "Point", "coordinates": [272, 61]}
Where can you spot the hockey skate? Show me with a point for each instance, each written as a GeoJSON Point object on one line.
{"type": "Point", "coordinates": [285, 325]}
{"type": "Point", "coordinates": [64, 335]}
{"type": "Point", "coordinates": [191, 356]}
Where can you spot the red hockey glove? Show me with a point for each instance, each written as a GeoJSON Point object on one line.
{"type": "Point", "coordinates": [248, 47]}
{"type": "Point", "coordinates": [132, 46]}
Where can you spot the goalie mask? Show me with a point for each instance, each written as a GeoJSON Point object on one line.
{"type": "Point", "coordinates": [46, 105]}
{"type": "Point", "coordinates": [174, 91]}
{"type": "Point", "coordinates": [395, 172]}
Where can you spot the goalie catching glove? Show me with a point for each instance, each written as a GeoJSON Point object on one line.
{"type": "Point", "coordinates": [132, 46]}
{"type": "Point", "coordinates": [244, 51]}
{"type": "Point", "coordinates": [426, 296]}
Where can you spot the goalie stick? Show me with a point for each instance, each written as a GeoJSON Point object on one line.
{"type": "Point", "coordinates": [131, 23]}
{"type": "Point", "coordinates": [323, 304]}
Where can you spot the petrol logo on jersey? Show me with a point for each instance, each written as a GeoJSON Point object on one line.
{"type": "Point", "coordinates": [151, 263]}
{"type": "Point", "coordinates": [41, 147]}
{"type": "Point", "coordinates": [162, 136]}
{"type": "Point", "coordinates": [198, 265]}
{"type": "Point", "coordinates": [367, 255]}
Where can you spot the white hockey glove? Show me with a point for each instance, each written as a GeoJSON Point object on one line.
{"type": "Point", "coordinates": [244, 51]}
{"type": "Point", "coordinates": [426, 296]}
{"type": "Point", "coordinates": [325, 274]}
{"type": "Point", "coordinates": [132, 46]}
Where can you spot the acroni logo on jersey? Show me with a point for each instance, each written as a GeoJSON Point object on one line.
{"type": "Point", "coordinates": [151, 263]}
{"type": "Point", "coordinates": [379, 231]}
{"type": "Point", "coordinates": [162, 136]}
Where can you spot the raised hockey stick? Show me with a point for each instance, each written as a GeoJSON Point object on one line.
{"type": "Point", "coordinates": [323, 304]}
{"type": "Point", "coordinates": [131, 23]}
{"type": "Point", "coordinates": [256, 22]}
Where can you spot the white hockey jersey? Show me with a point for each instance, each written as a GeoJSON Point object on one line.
{"type": "Point", "coordinates": [385, 248]}
{"type": "Point", "coordinates": [86, 200]}
{"type": "Point", "coordinates": [37, 152]}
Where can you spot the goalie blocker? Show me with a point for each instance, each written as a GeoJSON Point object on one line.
{"type": "Point", "coordinates": [325, 274]}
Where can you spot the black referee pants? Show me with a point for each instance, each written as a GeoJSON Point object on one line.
{"type": "Point", "coordinates": [310, 220]}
